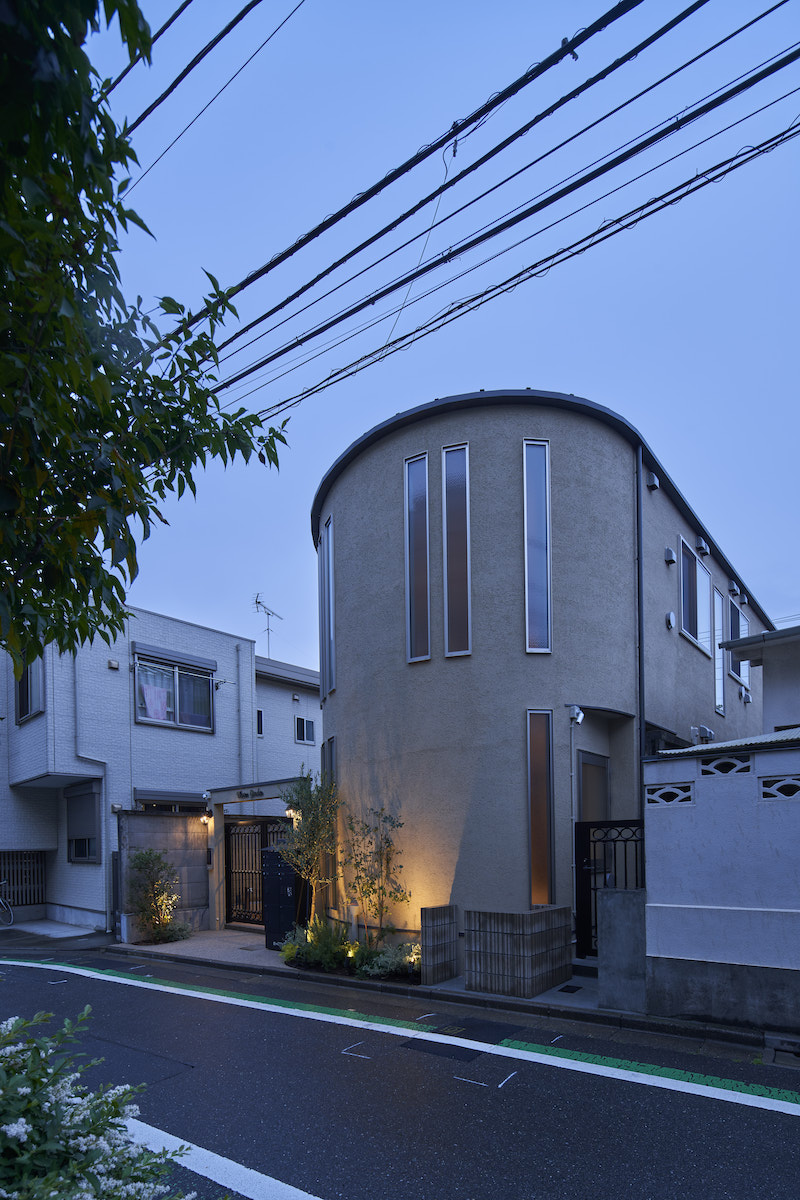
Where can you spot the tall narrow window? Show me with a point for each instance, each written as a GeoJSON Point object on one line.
{"type": "Point", "coordinates": [719, 653]}
{"type": "Point", "coordinates": [327, 645]}
{"type": "Point", "coordinates": [30, 691]}
{"type": "Point", "coordinates": [740, 628]}
{"type": "Point", "coordinates": [540, 804]}
{"type": "Point", "coordinates": [418, 599]}
{"type": "Point", "coordinates": [537, 546]}
{"type": "Point", "coordinates": [455, 536]}
{"type": "Point", "coordinates": [695, 598]}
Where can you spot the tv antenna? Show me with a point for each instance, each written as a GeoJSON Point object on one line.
{"type": "Point", "coordinates": [260, 606]}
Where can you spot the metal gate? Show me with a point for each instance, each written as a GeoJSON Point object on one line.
{"type": "Point", "coordinates": [608, 854]}
{"type": "Point", "coordinates": [244, 841]}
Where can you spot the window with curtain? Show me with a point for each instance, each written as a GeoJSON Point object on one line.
{"type": "Point", "coordinates": [174, 694]}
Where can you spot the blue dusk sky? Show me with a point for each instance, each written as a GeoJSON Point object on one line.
{"type": "Point", "coordinates": [685, 323]}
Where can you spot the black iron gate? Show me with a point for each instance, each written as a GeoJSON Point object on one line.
{"type": "Point", "coordinates": [608, 854]}
{"type": "Point", "coordinates": [245, 898]}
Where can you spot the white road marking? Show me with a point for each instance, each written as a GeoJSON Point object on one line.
{"type": "Point", "coordinates": [424, 1016]}
{"type": "Point", "coordinates": [224, 1171]}
{"type": "Point", "coordinates": [349, 1050]}
{"type": "Point", "coordinates": [505, 1081]}
{"type": "Point", "coordinates": [624, 1075]}
{"type": "Point", "coordinates": [477, 1082]}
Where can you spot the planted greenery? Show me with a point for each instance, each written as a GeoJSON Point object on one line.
{"type": "Point", "coordinates": [152, 897]}
{"type": "Point", "coordinates": [310, 846]}
{"type": "Point", "coordinates": [57, 1138]}
{"type": "Point", "coordinates": [103, 415]}
{"type": "Point", "coordinates": [372, 864]}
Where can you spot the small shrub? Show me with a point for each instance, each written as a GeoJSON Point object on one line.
{"type": "Point", "coordinates": [153, 899]}
{"type": "Point", "coordinates": [58, 1139]}
{"type": "Point", "coordinates": [321, 945]}
{"type": "Point", "coordinates": [391, 960]}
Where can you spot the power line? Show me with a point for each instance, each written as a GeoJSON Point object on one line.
{"type": "Point", "coordinates": [567, 47]}
{"type": "Point", "coordinates": [608, 230]}
{"type": "Point", "coordinates": [536, 233]}
{"type": "Point", "coordinates": [216, 95]}
{"type": "Point", "coordinates": [446, 256]}
{"type": "Point", "coordinates": [490, 154]}
{"type": "Point", "coordinates": [456, 212]}
{"type": "Point", "coordinates": [198, 58]}
{"type": "Point", "coordinates": [138, 58]}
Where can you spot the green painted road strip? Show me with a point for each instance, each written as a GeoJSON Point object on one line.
{"type": "Point", "coordinates": [733, 1091]}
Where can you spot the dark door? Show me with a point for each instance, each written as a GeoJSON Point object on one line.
{"type": "Point", "coordinates": [244, 841]}
{"type": "Point", "coordinates": [592, 786]}
{"type": "Point", "coordinates": [280, 897]}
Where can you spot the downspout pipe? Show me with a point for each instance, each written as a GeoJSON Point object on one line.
{"type": "Point", "coordinates": [106, 815]}
{"type": "Point", "coordinates": [640, 619]}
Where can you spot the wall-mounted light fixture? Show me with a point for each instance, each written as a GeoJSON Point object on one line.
{"type": "Point", "coordinates": [205, 817]}
{"type": "Point", "coordinates": [576, 714]}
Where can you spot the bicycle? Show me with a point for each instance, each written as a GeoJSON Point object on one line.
{"type": "Point", "coordinates": [6, 911]}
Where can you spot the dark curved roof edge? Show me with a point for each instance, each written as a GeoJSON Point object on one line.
{"type": "Point", "coordinates": [536, 398]}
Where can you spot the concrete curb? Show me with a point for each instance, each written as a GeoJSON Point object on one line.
{"type": "Point", "coordinates": [635, 1022]}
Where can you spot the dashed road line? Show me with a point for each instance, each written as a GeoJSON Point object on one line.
{"type": "Point", "coordinates": [733, 1091]}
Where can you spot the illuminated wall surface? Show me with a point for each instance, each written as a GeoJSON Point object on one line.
{"type": "Point", "coordinates": [484, 577]}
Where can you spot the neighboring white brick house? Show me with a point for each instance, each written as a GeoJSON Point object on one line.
{"type": "Point", "coordinates": [169, 711]}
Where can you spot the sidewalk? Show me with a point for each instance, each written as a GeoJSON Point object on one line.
{"type": "Point", "coordinates": [243, 949]}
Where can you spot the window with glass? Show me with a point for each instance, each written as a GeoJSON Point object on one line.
{"type": "Point", "coordinates": [30, 691]}
{"type": "Point", "coordinates": [418, 599]}
{"type": "Point", "coordinates": [540, 804]}
{"type": "Point", "coordinates": [326, 610]}
{"type": "Point", "coordinates": [83, 821]}
{"type": "Point", "coordinates": [695, 598]}
{"type": "Point", "coordinates": [455, 537]}
{"type": "Point", "coordinates": [719, 653]}
{"type": "Point", "coordinates": [178, 693]}
{"type": "Point", "coordinates": [304, 731]}
{"type": "Point", "coordinates": [739, 628]}
{"type": "Point", "coordinates": [537, 544]}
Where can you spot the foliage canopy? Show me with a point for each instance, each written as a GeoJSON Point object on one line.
{"type": "Point", "coordinates": [310, 845]}
{"type": "Point", "coordinates": [101, 417]}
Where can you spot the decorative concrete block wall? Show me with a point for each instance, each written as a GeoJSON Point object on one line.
{"type": "Point", "coordinates": [518, 954]}
{"type": "Point", "coordinates": [439, 940]}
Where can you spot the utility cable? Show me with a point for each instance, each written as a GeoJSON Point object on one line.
{"type": "Point", "coordinates": [198, 58]}
{"type": "Point", "coordinates": [567, 48]}
{"type": "Point", "coordinates": [490, 154]}
{"type": "Point", "coordinates": [610, 229]}
{"type": "Point", "coordinates": [186, 128]}
{"type": "Point", "coordinates": [446, 256]}
{"type": "Point", "coordinates": [334, 342]}
{"type": "Point", "coordinates": [138, 58]}
{"type": "Point", "coordinates": [456, 212]}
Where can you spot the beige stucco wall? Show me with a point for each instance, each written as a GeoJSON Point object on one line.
{"type": "Point", "coordinates": [442, 743]}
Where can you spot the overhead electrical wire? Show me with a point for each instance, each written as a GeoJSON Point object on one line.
{"type": "Point", "coordinates": [216, 96]}
{"type": "Point", "coordinates": [138, 57]}
{"type": "Point", "coordinates": [566, 49]}
{"type": "Point", "coordinates": [610, 229]}
{"type": "Point", "coordinates": [275, 375]}
{"type": "Point", "coordinates": [276, 308]}
{"type": "Point", "coordinates": [684, 119]}
{"type": "Point", "coordinates": [469, 170]}
{"type": "Point", "coordinates": [198, 58]}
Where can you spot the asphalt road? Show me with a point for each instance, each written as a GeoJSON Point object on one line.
{"type": "Point", "coordinates": [342, 1093]}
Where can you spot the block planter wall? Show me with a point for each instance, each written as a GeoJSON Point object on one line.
{"type": "Point", "coordinates": [518, 954]}
{"type": "Point", "coordinates": [439, 940]}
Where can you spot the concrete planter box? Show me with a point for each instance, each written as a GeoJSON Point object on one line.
{"type": "Point", "coordinates": [518, 954]}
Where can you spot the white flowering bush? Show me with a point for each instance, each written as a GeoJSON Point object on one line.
{"type": "Point", "coordinates": [60, 1141]}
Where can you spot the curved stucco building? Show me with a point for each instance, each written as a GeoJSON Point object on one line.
{"type": "Point", "coordinates": [516, 606]}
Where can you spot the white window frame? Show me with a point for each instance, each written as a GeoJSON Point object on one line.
{"type": "Point", "coordinates": [743, 675]}
{"type": "Point", "coordinates": [154, 658]}
{"type": "Point", "coordinates": [462, 446]}
{"type": "Point", "coordinates": [530, 583]}
{"type": "Point", "coordinates": [416, 458]}
{"type": "Point", "coordinates": [305, 740]}
{"type": "Point", "coordinates": [699, 566]}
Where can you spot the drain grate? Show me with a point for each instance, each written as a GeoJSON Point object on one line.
{"type": "Point", "coordinates": [570, 987]}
